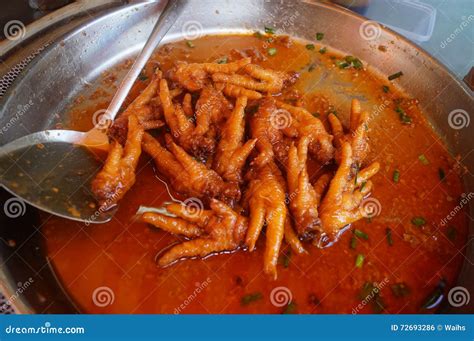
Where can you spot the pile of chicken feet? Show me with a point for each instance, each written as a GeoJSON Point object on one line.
{"type": "Point", "coordinates": [220, 133]}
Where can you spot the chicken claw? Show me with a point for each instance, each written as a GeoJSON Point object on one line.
{"type": "Point", "coordinates": [186, 174]}
{"type": "Point", "coordinates": [307, 125]}
{"type": "Point", "coordinates": [305, 199]}
{"type": "Point", "coordinates": [357, 135]}
{"type": "Point", "coordinates": [266, 200]}
{"type": "Point", "coordinates": [216, 230]}
{"type": "Point", "coordinates": [118, 174]}
{"type": "Point", "coordinates": [341, 204]}
{"type": "Point", "coordinates": [231, 154]}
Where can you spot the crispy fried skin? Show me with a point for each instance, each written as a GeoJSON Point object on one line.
{"type": "Point", "coordinates": [195, 134]}
{"type": "Point", "coordinates": [188, 175]}
{"type": "Point", "coordinates": [357, 135]}
{"type": "Point", "coordinates": [142, 109]}
{"type": "Point", "coordinates": [238, 91]}
{"type": "Point", "coordinates": [216, 230]}
{"type": "Point", "coordinates": [255, 80]}
{"type": "Point", "coordinates": [231, 152]}
{"type": "Point", "coordinates": [207, 122]}
{"type": "Point", "coordinates": [304, 198]}
{"type": "Point", "coordinates": [118, 174]}
{"type": "Point", "coordinates": [341, 204]}
{"type": "Point", "coordinates": [195, 76]}
{"type": "Point", "coordinates": [267, 126]}
{"type": "Point", "coordinates": [306, 124]}
{"type": "Point", "coordinates": [266, 200]}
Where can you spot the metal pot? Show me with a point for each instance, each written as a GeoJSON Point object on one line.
{"type": "Point", "coordinates": [63, 70]}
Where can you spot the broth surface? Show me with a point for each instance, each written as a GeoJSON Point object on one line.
{"type": "Point", "coordinates": [120, 255]}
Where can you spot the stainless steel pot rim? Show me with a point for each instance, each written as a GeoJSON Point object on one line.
{"type": "Point", "coordinates": [8, 285]}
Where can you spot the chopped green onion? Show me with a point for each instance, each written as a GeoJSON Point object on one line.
{"type": "Point", "coordinates": [250, 298]}
{"type": "Point", "coordinates": [319, 36]}
{"type": "Point", "coordinates": [353, 243]}
{"type": "Point", "coordinates": [311, 67]}
{"type": "Point", "coordinates": [342, 64]}
{"type": "Point", "coordinates": [314, 300]}
{"type": "Point", "coordinates": [316, 114]}
{"type": "Point", "coordinates": [270, 40]}
{"type": "Point", "coordinates": [269, 30]}
{"type": "Point", "coordinates": [385, 88]}
{"type": "Point", "coordinates": [290, 308]}
{"type": "Point", "coordinates": [359, 260]}
{"type": "Point", "coordinates": [285, 258]}
{"type": "Point", "coordinates": [395, 76]}
{"type": "Point", "coordinates": [418, 221]}
{"type": "Point", "coordinates": [403, 116]}
{"type": "Point", "coordinates": [322, 50]}
{"type": "Point", "coordinates": [223, 60]}
{"type": "Point", "coordinates": [362, 185]}
{"type": "Point", "coordinates": [400, 289]}
{"type": "Point", "coordinates": [356, 173]}
{"type": "Point", "coordinates": [388, 234]}
{"type": "Point", "coordinates": [258, 34]}
{"type": "Point", "coordinates": [442, 174]}
{"type": "Point", "coordinates": [310, 46]}
{"type": "Point", "coordinates": [190, 43]}
{"type": "Point", "coordinates": [272, 51]}
{"type": "Point", "coordinates": [142, 76]}
{"type": "Point", "coordinates": [370, 292]}
{"type": "Point", "coordinates": [451, 233]}
{"type": "Point", "coordinates": [355, 62]}
{"type": "Point", "coordinates": [361, 234]}
{"type": "Point", "coordinates": [423, 159]}
{"type": "Point", "coordinates": [396, 175]}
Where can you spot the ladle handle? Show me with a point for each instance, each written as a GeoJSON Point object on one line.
{"type": "Point", "coordinates": [167, 18]}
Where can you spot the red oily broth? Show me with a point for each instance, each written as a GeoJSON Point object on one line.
{"type": "Point", "coordinates": [120, 255]}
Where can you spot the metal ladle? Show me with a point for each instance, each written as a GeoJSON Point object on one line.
{"type": "Point", "coordinates": [52, 169]}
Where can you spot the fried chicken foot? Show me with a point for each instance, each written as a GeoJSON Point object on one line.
{"type": "Point", "coordinates": [216, 230]}
{"type": "Point", "coordinates": [341, 204]}
{"type": "Point", "coordinates": [141, 108]}
{"type": "Point", "coordinates": [267, 126]}
{"type": "Point", "coordinates": [118, 174]}
{"type": "Point", "coordinates": [357, 135]}
{"type": "Point", "coordinates": [194, 134]}
{"type": "Point", "coordinates": [187, 175]}
{"type": "Point", "coordinates": [195, 76]}
{"type": "Point", "coordinates": [307, 125]}
{"type": "Point", "coordinates": [266, 200]}
{"type": "Point", "coordinates": [231, 154]}
{"type": "Point", "coordinates": [305, 199]}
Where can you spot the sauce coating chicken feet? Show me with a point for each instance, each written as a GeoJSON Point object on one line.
{"type": "Point", "coordinates": [357, 135]}
{"type": "Point", "coordinates": [186, 174]}
{"type": "Point", "coordinates": [212, 231]}
{"type": "Point", "coordinates": [266, 199]}
{"type": "Point", "coordinates": [118, 174]}
{"type": "Point", "coordinates": [342, 203]}
{"type": "Point", "coordinates": [231, 154]}
{"type": "Point", "coordinates": [305, 198]}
